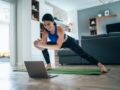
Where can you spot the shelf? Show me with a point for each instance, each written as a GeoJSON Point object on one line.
{"type": "Point", "coordinates": [103, 17]}
{"type": "Point", "coordinates": [35, 10]}
{"type": "Point", "coordinates": [35, 2]}
{"type": "Point", "coordinates": [92, 22]}
{"type": "Point", "coordinates": [94, 28]}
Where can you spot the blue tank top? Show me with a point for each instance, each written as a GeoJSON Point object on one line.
{"type": "Point", "coordinates": [53, 37]}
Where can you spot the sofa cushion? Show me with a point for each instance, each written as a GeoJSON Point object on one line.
{"type": "Point", "coordinates": [114, 34]}
{"type": "Point", "coordinates": [65, 52]}
{"type": "Point", "coordinates": [94, 37]}
{"type": "Point", "coordinates": [70, 60]}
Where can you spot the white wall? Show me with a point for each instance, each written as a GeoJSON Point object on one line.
{"type": "Point", "coordinates": [59, 13]}
{"type": "Point", "coordinates": [13, 34]}
{"type": "Point", "coordinates": [35, 33]}
{"type": "Point", "coordinates": [23, 31]}
{"type": "Point", "coordinates": [44, 8]}
{"type": "Point", "coordinates": [72, 17]}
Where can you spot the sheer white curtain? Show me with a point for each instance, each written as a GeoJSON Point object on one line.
{"type": "Point", "coordinates": [4, 28]}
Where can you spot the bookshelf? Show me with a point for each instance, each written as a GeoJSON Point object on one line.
{"type": "Point", "coordinates": [93, 26]}
{"type": "Point", "coordinates": [35, 10]}
{"type": "Point", "coordinates": [94, 23]}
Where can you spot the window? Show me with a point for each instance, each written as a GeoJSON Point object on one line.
{"type": "Point", "coordinates": [4, 28]}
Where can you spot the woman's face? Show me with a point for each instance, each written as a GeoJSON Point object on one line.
{"type": "Point", "coordinates": [49, 25]}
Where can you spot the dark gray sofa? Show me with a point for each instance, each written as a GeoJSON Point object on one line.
{"type": "Point", "coordinates": [105, 48]}
{"type": "Point", "coordinates": [67, 56]}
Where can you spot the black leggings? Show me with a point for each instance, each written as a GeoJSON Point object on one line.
{"type": "Point", "coordinates": [71, 44]}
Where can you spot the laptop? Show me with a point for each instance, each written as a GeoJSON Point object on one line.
{"type": "Point", "coordinates": [36, 69]}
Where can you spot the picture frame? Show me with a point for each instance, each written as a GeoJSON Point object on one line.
{"type": "Point", "coordinates": [107, 12]}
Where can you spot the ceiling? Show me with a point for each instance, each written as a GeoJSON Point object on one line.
{"type": "Point", "coordinates": [68, 5]}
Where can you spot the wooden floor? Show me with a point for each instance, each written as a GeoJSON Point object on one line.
{"type": "Point", "coordinates": [20, 80]}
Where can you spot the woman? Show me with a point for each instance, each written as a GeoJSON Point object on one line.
{"type": "Point", "coordinates": [60, 40]}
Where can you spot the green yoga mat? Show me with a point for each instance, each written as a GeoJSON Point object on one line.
{"type": "Point", "coordinates": [75, 71]}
